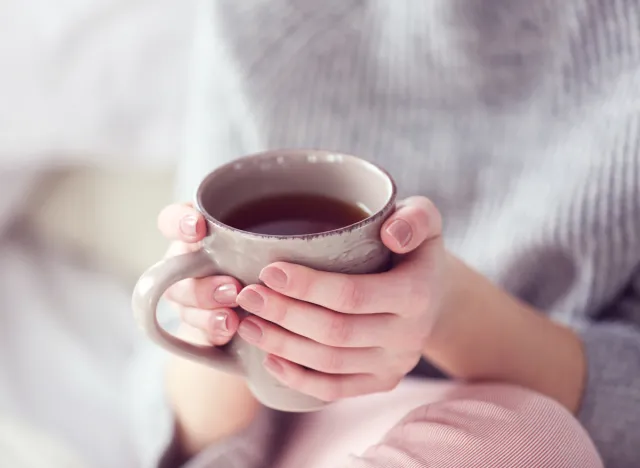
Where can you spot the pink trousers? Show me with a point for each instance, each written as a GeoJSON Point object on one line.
{"type": "Point", "coordinates": [442, 425]}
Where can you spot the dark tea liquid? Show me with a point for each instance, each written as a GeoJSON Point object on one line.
{"type": "Point", "coordinates": [294, 214]}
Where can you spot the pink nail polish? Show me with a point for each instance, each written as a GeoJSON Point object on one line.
{"type": "Point", "coordinates": [225, 294]}
{"type": "Point", "coordinates": [251, 300]}
{"type": "Point", "coordinates": [401, 231]}
{"type": "Point", "coordinates": [274, 277]}
{"type": "Point", "coordinates": [220, 323]}
{"type": "Point", "coordinates": [189, 225]}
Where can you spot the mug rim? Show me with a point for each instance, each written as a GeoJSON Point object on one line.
{"type": "Point", "coordinates": [297, 152]}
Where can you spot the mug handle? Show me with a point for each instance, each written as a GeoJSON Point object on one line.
{"type": "Point", "coordinates": [149, 290]}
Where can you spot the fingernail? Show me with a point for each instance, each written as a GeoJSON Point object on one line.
{"type": "Point", "coordinates": [401, 231]}
{"type": "Point", "coordinates": [274, 277]}
{"type": "Point", "coordinates": [220, 323]}
{"type": "Point", "coordinates": [225, 294]}
{"type": "Point", "coordinates": [189, 225]}
{"type": "Point", "coordinates": [250, 331]}
{"type": "Point", "coordinates": [250, 300]}
{"type": "Point", "coordinates": [274, 366]}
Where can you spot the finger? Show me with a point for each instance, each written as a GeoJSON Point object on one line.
{"type": "Point", "coordinates": [350, 294]}
{"type": "Point", "coordinates": [178, 248]}
{"type": "Point", "coordinates": [415, 221]}
{"type": "Point", "coordinates": [325, 387]}
{"type": "Point", "coordinates": [218, 325]}
{"type": "Point", "coordinates": [318, 323]}
{"type": "Point", "coordinates": [295, 348]}
{"type": "Point", "coordinates": [192, 335]}
{"type": "Point", "coordinates": [182, 222]}
{"type": "Point", "coordinates": [205, 293]}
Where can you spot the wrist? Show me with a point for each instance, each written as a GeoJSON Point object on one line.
{"type": "Point", "coordinates": [209, 405]}
{"type": "Point", "coordinates": [485, 334]}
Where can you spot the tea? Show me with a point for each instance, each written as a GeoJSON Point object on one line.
{"type": "Point", "coordinates": [294, 214]}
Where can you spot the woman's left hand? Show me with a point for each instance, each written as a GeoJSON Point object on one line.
{"type": "Point", "coordinates": [334, 336]}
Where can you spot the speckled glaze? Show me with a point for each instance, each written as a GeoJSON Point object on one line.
{"type": "Point", "coordinates": [352, 249]}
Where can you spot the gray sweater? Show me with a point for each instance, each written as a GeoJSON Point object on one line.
{"type": "Point", "coordinates": [519, 118]}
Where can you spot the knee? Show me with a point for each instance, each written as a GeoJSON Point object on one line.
{"type": "Point", "coordinates": [525, 427]}
{"type": "Point", "coordinates": [498, 426]}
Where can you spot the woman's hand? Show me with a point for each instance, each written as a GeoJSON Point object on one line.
{"type": "Point", "coordinates": [332, 335]}
{"type": "Point", "coordinates": [204, 304]}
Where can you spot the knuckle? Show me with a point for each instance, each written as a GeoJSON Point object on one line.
{"type": "Point", "coordinates": [277, 310]}
{"type": "Point", "coordinates": [198, 294]}
{"type": "Point", "coordinates": [426, 207]}
{"type": "Point", "coordinates": [340, 330]}
{"type": "Point", "coordinates": [350, 296]}
{"type": "Point", "coordinates": [331, 360]}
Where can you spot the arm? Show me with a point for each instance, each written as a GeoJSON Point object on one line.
{"type": "Point", "coordinates": [200, 418]}
{"type": "Point", "coordinates": [595, 373]}
{"type": "Point", "coordinates": [490, 335]}
{"type": "Point", "coordinates": [208, 405]}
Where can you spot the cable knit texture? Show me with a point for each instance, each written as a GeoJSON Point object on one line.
{"type": "Point", "coordinates": [520, 119]}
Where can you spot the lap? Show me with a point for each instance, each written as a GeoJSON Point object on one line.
{"type": "Point", "coordinates": [326, 439]}
{"type": "Point", "coordinates": [430, 416]}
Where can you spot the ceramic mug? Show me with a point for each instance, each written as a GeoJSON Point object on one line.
{"type": "Point", "coordinates": [228, 251]}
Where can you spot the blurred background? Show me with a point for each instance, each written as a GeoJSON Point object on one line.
{"type": "Point", "coordinates": [92, 111]}
{"type": "Point", "coordinates": [93, 99]}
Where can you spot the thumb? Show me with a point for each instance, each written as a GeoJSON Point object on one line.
{"type": "Point", "coordinates": [417, 220]}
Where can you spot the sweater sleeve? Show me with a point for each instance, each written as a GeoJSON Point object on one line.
{"type": "Point", "coordinates": [611, 404]}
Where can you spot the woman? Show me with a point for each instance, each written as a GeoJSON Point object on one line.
{"type": "Point", "coordinates": [515, 124]}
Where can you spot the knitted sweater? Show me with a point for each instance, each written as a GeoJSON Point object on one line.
{"type": "Point", "coordinates": [520, 119]}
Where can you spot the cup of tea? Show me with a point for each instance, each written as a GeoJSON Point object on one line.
{"type": "Point", "coordinates": [320, 209]}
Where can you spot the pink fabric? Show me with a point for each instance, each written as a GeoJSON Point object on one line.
{"type": "Point", "coordinates": [425, 424]}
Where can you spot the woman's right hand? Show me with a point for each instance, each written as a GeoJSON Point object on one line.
{"type": "Point", "coordinates": [204, 304]}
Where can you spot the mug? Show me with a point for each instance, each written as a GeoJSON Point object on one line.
{"type": "Point", "coordinates": [353, 249]}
